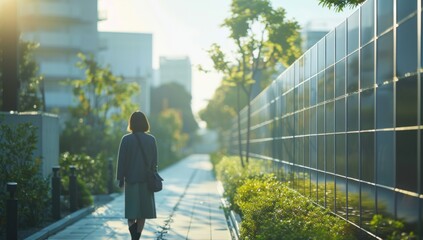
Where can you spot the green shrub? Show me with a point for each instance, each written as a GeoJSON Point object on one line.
{"type": "Point", "coordinates": [92, 171]}
{"type": "Point", "coordinates": [19, 165]}
{"type": "Point", "coordinates": [232, 175]}
{"type": "Point", "coordinates": [271, 210]}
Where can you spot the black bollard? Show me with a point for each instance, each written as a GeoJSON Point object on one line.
{"type": "Point", "coordinates": [12, 212]}
{"type": "Point", "coordinates": [72, 189]}
{"type": "Point", "coordinates": [110, 183]}
{"type": "Point", "coordinates": [55, 193]}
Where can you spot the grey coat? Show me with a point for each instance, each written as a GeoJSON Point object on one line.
{"type": "Point", "coordinates": [130, 163]}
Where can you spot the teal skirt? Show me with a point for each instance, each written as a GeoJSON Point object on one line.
{"type": "Point", "coordinates": [139, 201]}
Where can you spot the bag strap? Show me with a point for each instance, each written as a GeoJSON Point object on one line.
{"type": "Point", "coordinates": [142, 151]}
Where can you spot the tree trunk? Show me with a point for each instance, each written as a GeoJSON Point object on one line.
{"type": "Point", "coordinates": [239, 126]}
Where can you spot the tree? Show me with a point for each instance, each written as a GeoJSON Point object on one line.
{"type": "Point", "coordinates": [104, 104]}
{"type": "Point", "coordinates": [263, 38]}
{"type": "Point", "coordinates": [339, 5]}
{"type": "Point", "coordinates": [31, 92]}
{"type": "Point", "coordinates": [174, 95]}
{"type": "Point", "coordinates": [167, 128]}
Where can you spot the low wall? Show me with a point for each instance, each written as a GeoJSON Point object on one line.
{"type": "Point", "coordinates": [47, 134]}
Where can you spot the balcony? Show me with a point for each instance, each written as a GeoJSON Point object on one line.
{"type": "Point", "coordinates": [63, 41]}
{"type": "Point", "coordinates": [54, 10]}
{"type": "Point", "coordinates": [61, 70]}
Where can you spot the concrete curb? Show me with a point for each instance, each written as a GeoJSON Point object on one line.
{"type": "Point", "coordinates": [61, 224]}
{"type": "Point", "coordinates": [66, 221]}
{"type": "Point", "coordinates": [233, 219]}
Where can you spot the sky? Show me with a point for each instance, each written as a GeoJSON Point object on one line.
{"type": "Point", "coordinates": [190, 27]}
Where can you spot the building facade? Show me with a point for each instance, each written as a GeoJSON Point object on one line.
{"type": "Point", "coordinates": [62, 28]}
{"type": "Point", "coordinates": [344, 122]}
{"type": "Point", "coordinates": [177, 70]}
{"type": "Point", "coordinates": [130, 55]}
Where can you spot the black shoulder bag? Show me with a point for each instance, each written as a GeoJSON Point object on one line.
{"type": "Point", "coordinates": [154, 181]}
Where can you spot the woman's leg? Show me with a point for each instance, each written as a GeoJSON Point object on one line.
{"type": "Point", "coordinates": [140, 223]}
{"type": "Point", "coordinates": [132, 228]}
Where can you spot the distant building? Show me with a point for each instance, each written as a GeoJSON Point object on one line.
{"type": "Point", "coordinates": [315, 30]}
{"type": "Point", "coordinates": [62, 28]}
{"type": "Point", "coordinates": [178, 70]}
{"type": "Point", "coordinates": [130, 55]}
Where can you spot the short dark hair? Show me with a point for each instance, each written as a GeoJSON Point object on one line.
{"type": "Point", "coordinates": [138, 122]}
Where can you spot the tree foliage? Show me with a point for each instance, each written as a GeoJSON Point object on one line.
{"type": "Point", "coordinates": [339, 5]}
{"type": "Point", "coordinates": [18, 143]}
{"type": "Point", "coordinates": [263, 37]}
{"type": "Point", "coordinates": [174, 95]}
{"type": "Point", "coordinates": [104, 104]}
{"type": "Point", "coordinates": [31, 92]}
{"type": "Point", "coordinates": [167, 128]}
{"type": "Point", "coordinates": [221, 108]}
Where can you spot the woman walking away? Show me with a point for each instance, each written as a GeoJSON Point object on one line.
{"type": "Point", "coordinates": [132, 172]}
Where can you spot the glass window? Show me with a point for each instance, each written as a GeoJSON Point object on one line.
{"type": "Point", "coordinates": [367, 21]}
{"type": "Point", "coordinates": [313, 120]}
{"type": "Point", "coordinates": [340, 78]}
{"type": "Point", "coordinates": [313, 91]}
{"type": "Point", "coordinates": [384, 59]}
{"type": "Point", "coordinates": [406, 164]}
{"type": "Point", "coordinates": [321, 182]}
{"type": "Point", "coordinates": [321, 119]}
{"type": "Point", "coordinates": [407, 47]}
{"type": "Point", "coordinates": [367, 66]}
{"type": "Point", "coordinates": [353, 32]}
{"type": "Point", "coordinates": [306, 122]}
{"type": "Point", "coordinates": [320, 87]}
{"type": "Point", "coordinates": [341, 196]}
{"type": "Point", "coordinates": [352, 112]}
{"type": "Point", "coordinates": [296, 73]}
{"type": "Point", "coordinates": [314, 182]}
{"type": "Point", "coordinates": [354, 201]}
{"type": "Point", "coordinates": [330, 117]}
{"type": "Point", "coordinates": [329, 83]}
{"type": "Point", "coordinates": [368, 195]}
{"type": "Point", "coordinates": [307, 64]}
{"type": "Point", "coordinates": [405, 8]}
{"type": "Point", "coordinates": [290, 102]}
{"type": "Point", "coordinates": [340, 154]}
{"type": "Point", "coordinates": [367, 110]}
{"type": "Point", "coordinates": [385, 106]}
{"type": "Point", "coordinates": [306, 94]}
{"type": "Point", "coordinates": [307, 151]}
{"type": "Point", "coordinates": [313, 69]}
{"type": "Point", "coordinates": [321, 55]}
{"type": "Point", "coordinates": [367, 156]}
{"type": "Point", "coordinates": [353, 155]}
{"type": "Point", "coordinates": [385, 202]}
{"type": "Point", "coordinates": [330, 48]}
{"type": "Point", "coordinates": [353, 73]}
{"type": "Point", "coordinates": [385, 15]}
{"type": "Point", "coordinates": [385, 158]}
{"type": "Point", "coordinates": [330, 153]}
{"type": "Point", "coordinates": [406, 211]}
{"type": "Point", "coordinates": [313, 151]}
{"type": "Point", "coordinates": [301, 69]}
{"type": "Point", "coordinates": [340, 115]}
{"type": "Point", "coordinates": [330, 192]}
{"type": "Point", "coordinates": [340, 33]}
{"type": "Point", "coordinates": [321, 152]}
{"type": "Point", "coordinates": [406, 107]}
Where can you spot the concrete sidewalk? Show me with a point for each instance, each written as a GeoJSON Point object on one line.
{"type": "Point", "coordinates": [189, 207]}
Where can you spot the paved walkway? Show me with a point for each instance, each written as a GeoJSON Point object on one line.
{"type": "Point", "coordinates": [189, 207]}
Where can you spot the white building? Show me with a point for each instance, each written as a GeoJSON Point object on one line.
{"type": "Point", "coordinates": [130, 55]}
{"type": "Point", "coordinates": [178, 70]}
{"type": "Point", "coordinates": [63, 28]}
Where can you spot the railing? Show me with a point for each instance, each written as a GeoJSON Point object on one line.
{"type": "Point", "coordinates": [346, 118]}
